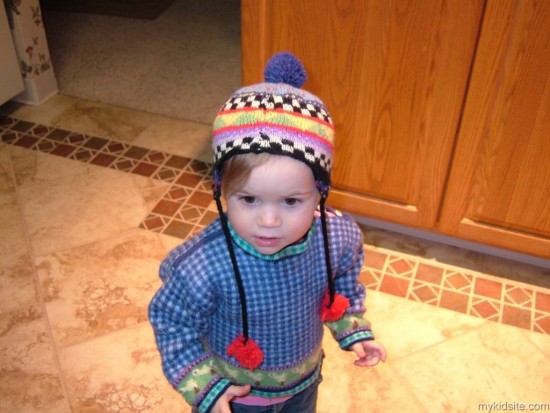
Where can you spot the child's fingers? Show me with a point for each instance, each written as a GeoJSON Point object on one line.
{"type": "Point", "coordinates": [238, 391]}
{"type": "Point", "coordinates": [383, 354]}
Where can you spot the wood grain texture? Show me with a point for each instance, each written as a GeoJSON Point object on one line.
{"type": "Point", "coordinates": [393, 74]}
{"type": "Point", "coordinates": [499, 187]}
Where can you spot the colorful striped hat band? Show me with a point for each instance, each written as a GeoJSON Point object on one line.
{"type": "Point", "coordinates": [279, 118]}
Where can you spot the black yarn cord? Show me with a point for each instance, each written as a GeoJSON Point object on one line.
{"type": "Point", "coordinates": [240, 286]}
{"type": "Point", "coordinates": [331, 287]}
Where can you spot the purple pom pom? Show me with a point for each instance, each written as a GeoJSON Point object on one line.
{"type": "Point", "coordinates": [284, 67]}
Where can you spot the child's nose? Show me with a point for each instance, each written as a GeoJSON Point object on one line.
{"type": "Point", "coordinates": [269, 217]}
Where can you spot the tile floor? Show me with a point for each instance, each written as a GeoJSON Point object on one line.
{"type": "Point", "coordinates": [92, 197]}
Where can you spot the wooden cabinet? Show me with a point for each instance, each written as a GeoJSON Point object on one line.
{"type": "Point", "coordinates": [499, 185]}
{"type": "Point", "coordinates": [428, 101]}
{"type": "Point", "coordinates": [393, 74]}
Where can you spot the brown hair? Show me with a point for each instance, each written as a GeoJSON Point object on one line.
{"type": "Point", "coordinates": [236, 170]}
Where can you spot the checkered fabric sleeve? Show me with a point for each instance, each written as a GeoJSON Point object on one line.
{"type": "Point", "coordinates": [347, 260]}
{"type": "Point", "coordinates": [179, 314]}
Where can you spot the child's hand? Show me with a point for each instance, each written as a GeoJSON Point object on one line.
{"type": "Point", "coordinates": [369, 353]}
{"type": "Point", "coordinates": [222, 405]}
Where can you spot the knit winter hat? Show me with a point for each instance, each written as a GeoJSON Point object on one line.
{"type": "Point", "coordinates": [279, 118]}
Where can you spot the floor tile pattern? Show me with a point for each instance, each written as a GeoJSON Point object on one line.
{"type": "Point", "coordinates": [81, 246]}
{"type": "Point", "coordinates": [186, 207]}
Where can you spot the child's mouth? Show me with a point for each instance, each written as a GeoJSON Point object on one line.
{"type": "Point", "coordinates": [267, 242]}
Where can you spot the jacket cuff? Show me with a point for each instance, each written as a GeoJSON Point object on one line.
{"type": "Point", "coordinates": [201, 386]}
{"type": "Point", "coordinates": [350, 329]}
{"type": "Point", "coordinates": [212, 396]}
{"type": "Point", "coordinates": [350, 340]}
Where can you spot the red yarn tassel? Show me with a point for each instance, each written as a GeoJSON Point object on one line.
{"type": "Point", "coordinates": [247, 352]}
{"type": "Point", "coordinates": [337, 310]}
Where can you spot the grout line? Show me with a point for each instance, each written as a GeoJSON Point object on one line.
{"type": "Point", "coordinates": [41, 302]}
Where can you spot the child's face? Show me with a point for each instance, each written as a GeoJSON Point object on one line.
{"type": "Point", "coordinates": [275, 207]}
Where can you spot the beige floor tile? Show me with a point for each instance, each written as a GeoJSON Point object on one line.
{"type": "Point", "coordinates": [106, 121]}
{"type": "Point", "coordinates": [179, 137]}
{"type": "Point", "coordinates": [170, 242]}
{"type": "Point", "coordinates": [494, 363]}
{"type": "Point", "coordinates": [84, 116]}
{"type": "Point", "coordinates": [406, 327]}
{"type": "Point", "coordinates": [542, 341]}
{"type": "Point", "coordinates": [9, 209]}
{"type": "Point", "coordinates": [119, 372]}
{"type": "Point", "coordinates": [100, 287]}
{"type": "Point", "coordinates": [46, 113]}
{"type": "Point", "coordinates": [350, 389]}
{"type": "Point", "coordinates": [29, 377]}
{"type": "Point", "coordinates": [31, 168]}
{"type": "Point", "coordinates": [66, 203]}
{"type": "Point", "coordinates": [17, 280]}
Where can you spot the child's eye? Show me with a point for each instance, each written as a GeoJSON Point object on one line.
{"type": "Point", "coordinates": [291, 201]}
{"type": "Point", "coordinates": [248, 199]}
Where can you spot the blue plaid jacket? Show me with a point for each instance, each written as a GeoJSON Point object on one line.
{"type": "Point", "coordinates": [197, 312]}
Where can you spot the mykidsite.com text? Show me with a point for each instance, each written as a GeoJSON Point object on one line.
{"type": "Point", "coordinates": [513, 407]}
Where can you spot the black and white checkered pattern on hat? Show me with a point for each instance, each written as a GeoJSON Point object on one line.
{"type": "Point", "coordinates": [319, 162]}
{"type": "Point", "coordinates": [288, 102]}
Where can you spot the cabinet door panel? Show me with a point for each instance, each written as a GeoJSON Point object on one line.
{"type": "Point", "coordinates": [393, 74]}
{"type": "Point", "coordinates": [499, 187]}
